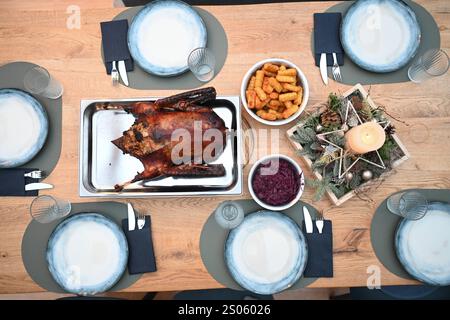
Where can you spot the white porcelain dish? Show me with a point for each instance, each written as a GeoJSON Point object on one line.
{"type": "Point", "coordinates": [380, 35]}
{"type": "Point", "coordinates": [268, 158]}
{"type": "Point", "coordinates": [163, 34]}
{"type": "Point", "coordinates": [87, 254]}
{"type": "Point", "coordinates": [423, 246]}
{"type": "Point", "coordinates": [23, 127]}
{"type": "Point", "coordinates": [266, 253]}
{"type": "Point", "coordinates": [302, 81]}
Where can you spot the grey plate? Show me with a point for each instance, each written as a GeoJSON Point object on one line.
{"type": "Point", "coordinates": [35, 107]}
{"type": "Point", "coordinates": [63, 273]}
{"type": "Point", "coordinates": [383, 230]}
{"type": "Point", "coordinates": [11, 76]}
{"type": "Point", "coordinates": [102, 165]}
{"type": "Point", "coordinates": [167, 38]}
{"type": "Point", "coordinates": [213, 239]}
{"type": "Point", "coordinates": [425, 270]}
{"type": "Point", "coordinates": [378, 28]}
{"type": "Point", "coordinates": [35, 243]}
{"type": "Point", "coordinates": [265, 286]}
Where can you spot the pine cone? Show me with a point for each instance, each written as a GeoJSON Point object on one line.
{"type": "Point", "coordinates": [390, 130]}
{"type": "Point", "coordinates": [330, 118]}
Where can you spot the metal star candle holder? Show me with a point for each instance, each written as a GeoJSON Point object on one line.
{"type": "Point", "coordinates": [322, 136]}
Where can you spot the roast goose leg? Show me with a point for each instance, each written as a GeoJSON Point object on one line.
{"type": "Point", "coordinates": [151, 138]}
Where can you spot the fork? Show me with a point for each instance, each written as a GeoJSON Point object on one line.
{"type": "Point", "coordinates": [114, 74]}
{"type": "Point", "coordinates": [336, 70]}
{"type": "Point", "coordinates": [319, 222]}
{"type": "Point", "coordinates": [140, 220]}
{"type": "Point", "coordinates": [37, 174]}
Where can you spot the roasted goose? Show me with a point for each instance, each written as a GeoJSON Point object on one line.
{"type": "Point", "coordinates": [150, 138]}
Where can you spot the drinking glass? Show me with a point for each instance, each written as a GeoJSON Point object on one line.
{"type": "Point", "coordinates": [45, 209]}
{"type": "Point", "coordinates": [38, 80]}
{"type": "Point", "coordinates": [433, 63]}
{"type": "Point", "coordinates": [229, 214]}
{"type": "Point", "coordinates": [201, 62]}
{"type": "Point", "coordinates": [410, 205]}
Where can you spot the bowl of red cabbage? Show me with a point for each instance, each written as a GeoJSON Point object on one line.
{"type": "Point", "coordinates": [276, 182]}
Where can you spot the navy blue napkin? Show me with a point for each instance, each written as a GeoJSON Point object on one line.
{"type": "Point", "coordinates": [115, 44]}
{"type": "Point", "coordinates": [12, 182]}
{"type": "Point", "coordinates": [141, 258]}
{"type": "Point", "coordinates": [320, 251]}
{"type": "Point", "coordinates": [327, 37]}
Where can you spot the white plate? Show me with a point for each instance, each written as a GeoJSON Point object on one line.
{"type": "Point", "coordinates": [87, 254]}
{"type": "Point", "coordinates": [266, 253]}
{"type": "Point", "coordinates": [23, 127]}
{"type": "Point", "coordinates": [380, 35]}
{"type": "Point", "coordinates": [163, 34]}
{"type": "Point", "coordinates": [423, 246]}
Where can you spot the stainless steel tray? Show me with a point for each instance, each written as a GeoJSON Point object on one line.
{"type": "Point", "coordinates": [102, 165]}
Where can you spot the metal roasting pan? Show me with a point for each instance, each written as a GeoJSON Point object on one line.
{"type": "Point", "coordinates": [102, 164]}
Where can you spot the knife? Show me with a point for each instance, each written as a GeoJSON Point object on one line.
{"type": "Point", "coordinates": [323, 68]}
{"type": "Point", "coordinates": [308, 220]}
{"type": "Point", "coordinates": [123, 72]}
{"type": "Point", "coordinates": [38, 186]}
{"type": "Point", "coordinates": [131, 218]}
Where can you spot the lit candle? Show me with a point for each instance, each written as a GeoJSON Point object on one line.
{"type": "Point", "coordinates": [367, 137]}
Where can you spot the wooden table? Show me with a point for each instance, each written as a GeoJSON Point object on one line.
{"type": "Point", "coordinates": [36, 31]}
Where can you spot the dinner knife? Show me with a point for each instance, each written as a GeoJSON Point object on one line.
{"type": "Point", "coordinates": [131, 218]}
{"type": "Point", "coordinates": [38, 186]}
{"type": "Point", "coordinates": [123, 72]}
{"type": "Point", "coordinates": [323, 68]}
{"type": "Point", "coordinates": [308, 220]}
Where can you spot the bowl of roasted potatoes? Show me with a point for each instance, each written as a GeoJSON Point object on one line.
{"type": "Point", "coordinates": [274, 91]}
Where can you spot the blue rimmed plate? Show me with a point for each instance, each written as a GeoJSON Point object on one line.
{"type": "Point", "coordinates": [423, 246]}
{"type": "Point", "coordinates": [266, 253]}
{"type": "Point", "coordinates": [87, 254]}
{"type": "Point", "coordinates": [163, 34]}
{"type": "Point", "coordinates": [380, 35]}
{"type": "Point", "coordinates": [23, 127]}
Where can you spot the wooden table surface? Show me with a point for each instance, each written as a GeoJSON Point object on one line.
{"type": "Point", "coordinates": [36, 31]}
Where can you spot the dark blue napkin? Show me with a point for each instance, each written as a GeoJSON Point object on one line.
{"type": "Point", "coordinates": [115, 44]}
{"type": "Point", "coordinates": [141, 258]}
{"type": "Point", "coordinates": [327, 37]}
{"type": "Point", "coordinates": [320, 251]}
{"type": "Point", "coordinates": [12, 182]}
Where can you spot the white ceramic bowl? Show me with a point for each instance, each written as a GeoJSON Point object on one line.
{"type": "Point", "coordinates": [265, 205]}
{"type": "Point", "coordinates": [303, 82]}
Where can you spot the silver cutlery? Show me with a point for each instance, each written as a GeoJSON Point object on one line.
{"type": "Point", "coordinates": [336, 70]}
{"type": "Point", "coordinates": [319, 222]}
{"type": "Point", "coordinates": [36, 174]}
{"type": "Point", "coordinates": [141, 220]}
{"type": "Point", "coordinates": [131, 218]}
{"type": "Point", "coordinates": [323, 68]}
{"type": "Point", "coordinates": [114, 74]}
{"type": "Point", "coordinates": [38, 186]}
{"type": "Point", "coordinates": [123, 72]}
{"type": "Point", "coordinates": [308, 220]}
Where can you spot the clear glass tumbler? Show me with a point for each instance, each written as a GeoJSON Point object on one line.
{"type": "Point", "coordinates": [433, 63]}
{"type": "Point", "coordinates": [201, 62]}
{"type": "Point", "coordinates": [38, 80]}
{"type": "Point", "coordinates": [45, 209]}
{"type": "Point", "coordinates": [229, 214]}
{"type": "Point", "coordinates": [409, 205]}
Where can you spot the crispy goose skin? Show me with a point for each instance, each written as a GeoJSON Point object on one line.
{"type": "Point", "coordinates": [150, 137]}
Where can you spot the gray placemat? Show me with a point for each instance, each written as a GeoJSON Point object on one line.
{"type": "Point", "coordinates": [34, 245]}
{"type": "Point", "coordinates": [217, 42]}
{"type": "Point", "coordinates": [11, 76]}
{"type": "Point", "coordinates": [213, 238]}
{"type": "Point", "coordinates": [384, 226]}
{"type": "Point", "coordinates": [353, 74]}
